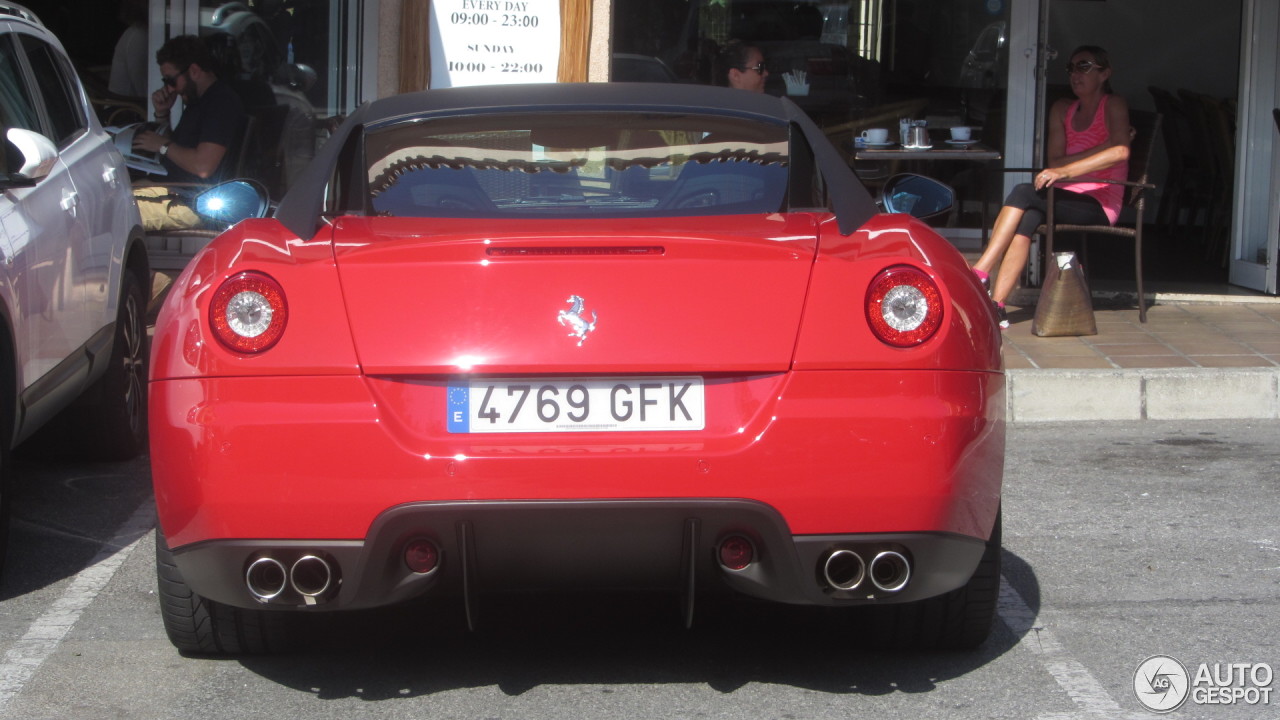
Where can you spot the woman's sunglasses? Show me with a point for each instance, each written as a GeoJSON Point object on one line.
{"type": "Point", "coordinates": [758, 67]}
{"type": "Point", "coordinates": [1083, 67]}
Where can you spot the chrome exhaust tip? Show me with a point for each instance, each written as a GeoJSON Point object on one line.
{"type": "Point", "coordinates": [265, 578]}
{"type": "Point", "coordinates": [311, 576]}
{"type": "Point", "coordinates": [890, 571]}
{"type": "Point", "coordinates": [844, 570]}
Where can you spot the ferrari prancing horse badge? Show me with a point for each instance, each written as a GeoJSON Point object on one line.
{"type": "Point", "coordinates": [574, 320]}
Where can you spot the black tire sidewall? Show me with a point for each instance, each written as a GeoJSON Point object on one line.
{"type": "Point", "coordinates": [109, 423]}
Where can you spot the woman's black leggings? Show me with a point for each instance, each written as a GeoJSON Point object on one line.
{"type": "Point", "coordinates": [1072, 208]}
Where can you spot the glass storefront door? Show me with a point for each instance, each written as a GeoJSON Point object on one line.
{"type": "Point", "coordinates": [851, 64]}
{"type": "Point", "coordinates": [1253, 260]}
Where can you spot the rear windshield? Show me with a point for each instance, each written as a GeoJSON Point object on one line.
{"type": "Point", "coordinates": [586, 164]}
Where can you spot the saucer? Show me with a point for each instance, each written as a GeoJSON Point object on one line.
{"type": "Point", "coordinates": [886, 144]}
{"type": "Point", "coordinates": [962, 143]}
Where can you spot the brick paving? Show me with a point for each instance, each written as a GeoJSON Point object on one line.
{"type": "Point", "coordinates": [1176, 335]}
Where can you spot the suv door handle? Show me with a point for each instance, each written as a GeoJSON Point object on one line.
{"type": "Point", "coordinates": [69, 201]}
{"type": "Point", "coordinates": [109, 175]}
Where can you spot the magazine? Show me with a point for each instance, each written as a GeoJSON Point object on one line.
{"type": "Point", "coordinates": [141, 160]}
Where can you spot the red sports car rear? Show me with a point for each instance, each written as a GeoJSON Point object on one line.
{"type": "Point", "coordinates": [592, 338]}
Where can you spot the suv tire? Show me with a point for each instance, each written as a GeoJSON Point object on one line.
{"type": "Point", "coordinates": [110, 419]}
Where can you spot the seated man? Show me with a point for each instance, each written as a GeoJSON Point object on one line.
{"type": "Point", "coordinates": [196, 150]}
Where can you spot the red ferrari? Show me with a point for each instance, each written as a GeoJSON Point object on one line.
{"type": "Point", "coordinates": [578, 336]}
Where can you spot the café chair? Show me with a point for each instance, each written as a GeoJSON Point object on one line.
{"type": "Point", "coordinates": [1146, 126]}
{"type": "Point", "coordinates": [113, 110]}
{"type": "Point", "coordinates": [1188, 183]}
{"type": "Point", "coordinates": [1214, 141]}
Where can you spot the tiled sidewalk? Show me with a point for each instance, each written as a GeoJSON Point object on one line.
{"type": "Point", "coordinates": [1235, 335]}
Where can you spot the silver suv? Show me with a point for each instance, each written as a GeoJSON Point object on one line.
{"type": "Point", "coordinates": [73, 266]}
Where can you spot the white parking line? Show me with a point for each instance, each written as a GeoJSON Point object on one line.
{"type": "Point", "coordinates": [46, 633]}
{"type": "Point", "coordinates": [1091, 699]}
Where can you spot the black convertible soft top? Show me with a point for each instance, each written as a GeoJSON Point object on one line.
{"type": "Point", "coordinates": [301, 207]}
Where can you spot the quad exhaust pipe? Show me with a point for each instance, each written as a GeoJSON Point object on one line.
{"type": "Point", "coordinates": [266, 578]}
{"type": "Point", "coordinates": [311, 576]}
{"type": "Point", "coordinates": [845, 569]}
{"type": "Point", "coordinates": [890, 571]}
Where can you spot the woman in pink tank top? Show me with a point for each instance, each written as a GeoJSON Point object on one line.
{"type": "Point", "coordinates": [1088, 140]}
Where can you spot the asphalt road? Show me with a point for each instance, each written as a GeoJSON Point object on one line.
{"type": "Point", "coordinates": [1122, 541]}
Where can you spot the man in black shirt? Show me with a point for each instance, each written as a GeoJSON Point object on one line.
{"type": "Point", "coordinates": [202, 145]}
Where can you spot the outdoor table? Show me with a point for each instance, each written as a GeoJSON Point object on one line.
{"type": "Point", "coordinates": [940, 152]}
{"type": "Point", "coordinates": [977, 152]}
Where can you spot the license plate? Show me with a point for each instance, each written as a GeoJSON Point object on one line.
{"type": "Point", "coordinates": [614, 404]}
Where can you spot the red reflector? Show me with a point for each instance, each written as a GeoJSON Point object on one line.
{"type": "Point", "coordinates": [421, 556]}
{"type": "Point", "coordinates": [560, 251]}
{"type": "Point", "coordinates": [736, 552]}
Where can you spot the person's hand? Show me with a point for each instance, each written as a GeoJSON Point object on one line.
{"type": "Point", "coordinates": [163, 99]}
{"type": "Point", "coordinates": [1049, 176]}
{"type": "Point", "coordinates": [148, 141]}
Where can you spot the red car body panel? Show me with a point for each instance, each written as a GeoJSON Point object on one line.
{"type": "Point", "coordinates": [726, 291]}
{"type": "Point", "coordinates": [316, 342]}
{"type": "Point", "coordinates": [919, 458]}
{"type": "Point", "coordinates": [836, 334]}
{"type": "Point", "coordinates": [836, 430]}
{"type": "Point", "coordinates": [778, 284]}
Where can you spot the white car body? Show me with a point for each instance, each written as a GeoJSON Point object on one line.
{"type": "Point", "coordinates": [71, 249]}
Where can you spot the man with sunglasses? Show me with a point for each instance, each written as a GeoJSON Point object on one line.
{"type": "Point", "coordinates": [198, 149]}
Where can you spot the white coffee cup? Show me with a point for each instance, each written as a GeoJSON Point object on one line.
{"type": "Point", "coordinates": [961, 132]}
{"type": "Point", "coordinates": [876, 136]}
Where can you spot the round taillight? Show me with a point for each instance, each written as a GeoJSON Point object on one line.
{"type": "Point", "coordinates": [736, 552]}
{"type": "Point", "coordinates": [421, 555]}
{"type": "Point", "coordinates": [904, 306]}
{"type": "Point", "coordinates": [249, 312]}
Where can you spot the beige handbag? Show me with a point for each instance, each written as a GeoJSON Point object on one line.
{"type": "Point", "coordinates": [1065, 307]}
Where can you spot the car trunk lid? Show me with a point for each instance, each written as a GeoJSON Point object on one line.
{"type": "Point", "coordinates": [704, 294]}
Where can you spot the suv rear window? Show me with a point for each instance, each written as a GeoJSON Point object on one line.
{"type": "Point", "coordinates": [587, 164]}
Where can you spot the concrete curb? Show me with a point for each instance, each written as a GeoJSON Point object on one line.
{"type": "Point", "coordinates": [1143, 394]}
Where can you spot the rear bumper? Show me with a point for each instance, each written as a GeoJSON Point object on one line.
{"type": "Point", "coordinates": [799, 463]}
{"type": "Point", "coordinates": [494, 546]}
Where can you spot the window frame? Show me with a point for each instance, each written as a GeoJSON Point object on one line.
{"type": "Point", "coordinates": [68, 86]}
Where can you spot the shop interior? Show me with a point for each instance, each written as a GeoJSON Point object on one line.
{"type": "Point", "coordinates": [852, 65]}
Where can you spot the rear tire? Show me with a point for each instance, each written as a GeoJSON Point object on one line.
{"type": "Point", "coordinates": [6, 436]}
{"type": "Point", "coordinates": [958, 620]}
{"type": "Point", "coordinates": [199, 626]}
{"type": "Point", "coordinates": [116, 405]}
{"type": "Point", "coordinates": [6, 492]}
